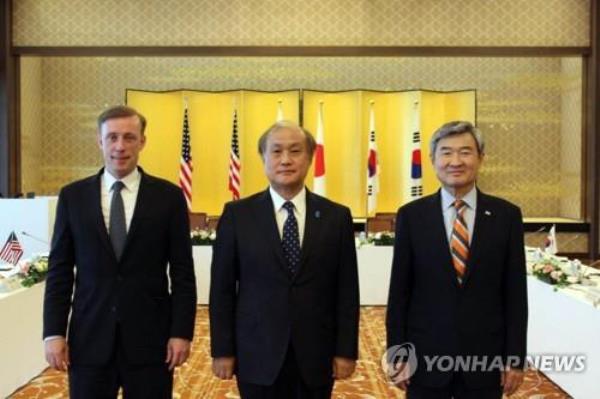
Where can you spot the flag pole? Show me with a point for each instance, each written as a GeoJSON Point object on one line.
{"type": "Point", "coordinates": [279, 110]}
{"type": "Point", "coordinates": [234, 174]}
{"type": "Point", "coordinates": [185, 162]}
{"type": "Point", "coordinates": [371, 104]}
{"type": "Point", "coordinates": [371, 111]}
{"type": "Point", "coordinates": [319, 170]}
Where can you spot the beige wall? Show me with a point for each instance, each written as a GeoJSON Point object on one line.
{"type": "Point", "coordinates": [32, 133]}
{"type": "Point", "coordinates": [302, 22]}
{"type": "Point", "coordinates": [571, 140]}
{"type": "Point", "coordinates": [528, 108]}
{"type": "Point", "coordinates": [567, 242]}
{"type": "Point", "coordinates": [518, 107]}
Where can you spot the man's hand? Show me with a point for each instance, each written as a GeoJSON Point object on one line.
{"type": "Point", "coordinates": [57, 353]}
{"type": "Point", "coordinates": [222, 367]}
{"type": "Point", "coordinates": [178, 350]}
{"type": "Point", "coordinates": [343, 367]}
{"type": "Point", "coordinates": [511, 379]}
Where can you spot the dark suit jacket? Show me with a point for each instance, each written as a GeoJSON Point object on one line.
{"type": "Point", "coordinates": [486, 316]}
{"type": "Point", "coordinates": [132, 293]}
{"type": "Point", "coordinates": [257, 308]}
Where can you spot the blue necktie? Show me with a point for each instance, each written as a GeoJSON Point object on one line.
{"type": "Point", "coordinates": [117, 228]}
{"type": "Point", "coordinates": [291, 239]}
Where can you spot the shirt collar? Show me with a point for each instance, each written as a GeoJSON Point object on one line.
{"type": "Point", "coordinates": [299, 200]}
{"type": "Point", "coordinates": [470, 199]}
{"type": "Point", "coordinates": [131, 181]}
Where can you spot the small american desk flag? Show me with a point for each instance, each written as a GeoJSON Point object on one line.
{"type": "Point", "coordinates": [185, 171]}
{"type": "Point", "coordinates": [11, 251]}
{"type": "Point", "coordinates": [234, 161]}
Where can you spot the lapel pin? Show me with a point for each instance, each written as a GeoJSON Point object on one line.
{"type": "Point", "coordinates": [317, 214]}
{"type": "Point", "coordinates": [488, 213]}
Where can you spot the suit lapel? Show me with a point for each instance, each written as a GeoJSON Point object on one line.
{"type": "Point", "coordinates": [140, 210]}
{"type": "Point", "coordinates": [434, 217]}
{"type": "Point", "coordinates": [484, 217]}
{"type": "Point", "coordinates": [312, 228]}
{"type": "Point", "coordinates": [94, 199]}
{"type": "Point", "coordinates": [143, 206]}
{"type": "Point", "coordinates": [265, 216]}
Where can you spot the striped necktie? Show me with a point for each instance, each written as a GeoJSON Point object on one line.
{"type": "Point", "coordinates": [459, 242]}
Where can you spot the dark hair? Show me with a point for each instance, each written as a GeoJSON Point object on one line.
{"type": "Point", "coordinates": [453, 128]}
{"type": "Point", "coordinates": [121, 111]}
{"type": "Point", "coordinates": [311, 144]}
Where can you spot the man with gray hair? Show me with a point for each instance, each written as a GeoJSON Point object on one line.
{"type": "Point", "coordinates": [458, 289]}
{"type": "Point", "coordinates": [284, 302]}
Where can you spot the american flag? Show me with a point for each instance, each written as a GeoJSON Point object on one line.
{"type": "Point", "coordinates": [185, 172]}
{"type": "Point", "coordinates": [11, 251]}
{"type": "Point", "coordinates": [372, 167]}
{"type": "Point", "coordinates": [234, 161]}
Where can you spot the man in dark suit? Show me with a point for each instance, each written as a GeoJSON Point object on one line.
{"type": "Point", "coordinates": [458, 285]}
{"type": "Point", "coordinates": [121, 250]}
{"type": "Point", "coordinates": [284, 302]}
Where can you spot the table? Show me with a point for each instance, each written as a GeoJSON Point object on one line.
{"type": "Point", "coordinates": [202, 258]}
{"type": "Point", "coordinates": [565, 322]}
{"type": "Point", "coordinates": [32, 220]}
{"type": "Point", "coordinates": [21, 345]}
{"type": "Point", "coordinates": [374, 271]}
{"type": "Point", "coordinates": [374, 268]}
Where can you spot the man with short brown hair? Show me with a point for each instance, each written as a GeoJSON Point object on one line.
{"type": "Point", "coordinates": [121, 250]}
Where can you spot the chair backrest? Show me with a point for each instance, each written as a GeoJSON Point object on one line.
{"type": "Point", "coordinates": [376, 224]}
{"type": "Point", "coordinates": [212, 222]}
{"type": "Point", "coordinates": [386, 215]}
{"type": "Point", "coordinates": [197, 220]}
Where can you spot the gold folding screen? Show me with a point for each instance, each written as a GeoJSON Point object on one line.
{"type": "Point", "coordinates": [396, 115]}
{"type": "Point", "coordinates": [210, 122]}
{"type": "Point", "coordinates": [346, 128]}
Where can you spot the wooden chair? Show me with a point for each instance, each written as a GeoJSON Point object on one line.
{"type": "Point", "coordinates": [375, 225]}
{"type": "Point", "coordinates": [391, 216]}
{"type": "Point", "coordinates": [385, 215]}
{"type": "Point", "coordinates": [197, 220]}
{"type": "Point", "coordinates": [212, 222]}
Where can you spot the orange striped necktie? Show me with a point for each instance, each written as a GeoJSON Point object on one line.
{"type": "Point", "coordinates": [459, 243]}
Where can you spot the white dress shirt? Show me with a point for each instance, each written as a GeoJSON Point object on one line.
{"type": "Point", "coordinates": [129, 194]}
{"type": "Point", "coordinates": [449, 211]}
{"type": "Point", "coordinates": [281, 214]}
